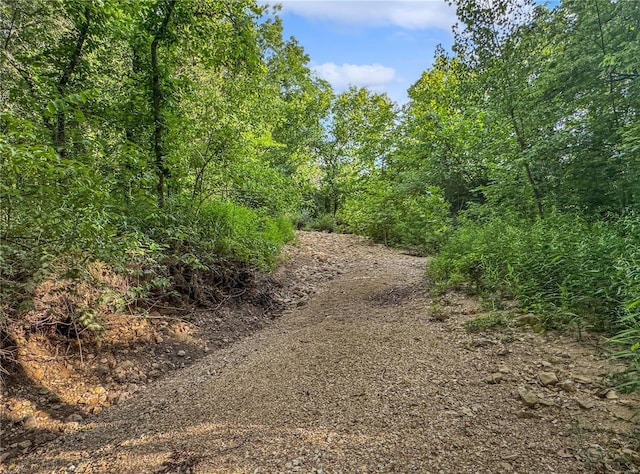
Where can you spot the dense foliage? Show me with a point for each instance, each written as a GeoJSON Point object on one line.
{"type": "Point", "coordinates": [176, 140]}
{"type": "Point", "coordinates": [183, 130]}
{"type": "Point", "coordinates": [531, 128]}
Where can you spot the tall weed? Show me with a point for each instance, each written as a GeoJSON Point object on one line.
{"type": "Point", "coordinates": [564, 267]}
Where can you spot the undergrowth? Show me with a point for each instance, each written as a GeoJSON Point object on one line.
{"type": "Point", "coordinates": [491, 320]}
{"type": "Point", "coordinates": [569, 271]}
{"type": "Point", "coordinates": [184, 254]}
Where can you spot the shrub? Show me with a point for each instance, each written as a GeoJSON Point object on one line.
{"type": "Point", "coordinates": [562, 266]}
{"type": "Point", "coordinates": [417, 220]}
{"type": "Point", "coordinates": [484, 322]}
{"type": "Point", "coordinates": [324, 223]}
{"type": "Point", "coordinates": [222, 231]}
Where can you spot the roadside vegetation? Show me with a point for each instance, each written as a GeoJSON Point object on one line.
{"type": "Point", "coordinates": [166, 150]}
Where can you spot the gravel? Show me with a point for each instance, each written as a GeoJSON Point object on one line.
{"type": "Point", "coordinates": [356, 376]}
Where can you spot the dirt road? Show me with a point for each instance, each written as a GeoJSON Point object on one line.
{"type": "Point", "coordinates": [368, 375]}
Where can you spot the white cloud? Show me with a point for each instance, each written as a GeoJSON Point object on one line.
{"type": "Point", "coordinates": [416, 14]}
{"type": "Point", "coordinates": [366, 75]}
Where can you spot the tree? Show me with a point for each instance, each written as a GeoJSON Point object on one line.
{"type": "Point", "coordinates": [494, 44]}
{"type": "Point", "coordinates": [444, 134]}
{"type": "Point", "coordinates": [359, 138]}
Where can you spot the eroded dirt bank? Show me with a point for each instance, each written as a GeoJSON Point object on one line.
{"type": "Point", "coordinates": [365, 375]}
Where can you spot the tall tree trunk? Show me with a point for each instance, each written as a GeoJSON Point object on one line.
{"type": "Point", "coordinates": [523, 146]}
{"type": "Point", "coordinates": [60, 133]}
{"type": "Point", "coordinates": [156, 93]}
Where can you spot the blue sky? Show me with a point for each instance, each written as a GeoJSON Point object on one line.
{"type": "Point", "coordinates": [384, 45]}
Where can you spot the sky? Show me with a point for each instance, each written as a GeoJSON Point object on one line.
{"type": "Point", "coordinates": [384, 45]}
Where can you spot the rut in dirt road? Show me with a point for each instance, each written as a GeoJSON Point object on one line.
{"type": "Point", "coordinates": [360, 379]}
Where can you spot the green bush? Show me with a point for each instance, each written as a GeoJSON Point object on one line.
{"type": "Point", "coordinates": [222, 231]}
{"type": "Point", "coordinates": [562, 266]}
{"type": "Point", "coordinates": [324, 223]}
{"type": "Point", "coordinates": [484, 322]}
{"type": "Point", "coordinates": [417, 220]}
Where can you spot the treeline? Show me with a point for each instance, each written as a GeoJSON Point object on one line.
{"type": "Point", "coordinates": [179, 140]}
{"type": "Point", "coordinates": [177, 136]}
{"type": "Point", "coordinates": [530, 132]}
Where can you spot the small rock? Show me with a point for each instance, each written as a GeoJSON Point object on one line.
{"type": "Point", "coordinates": [38, 374]}
{"type": "Point", "coordinates": [74, 418]}
{"type": "Point", "coordinates": [582, 379]}
{"type": "Point", "coordinates": [568, 386]}
{"type": "Point", "coordinates": [122, 397]}
{"type": "Point", "coordinates": [26, 444]}
{"type": "Point", "coordinates": [529, 398]}
{"type": "Point", "coordinates": [92, 400]}
{"type": "Point", "coordinates": [98, 390]}
{"type": "Point", "coordinates": [126, 364]}
{"type": "Point", "coordinates": [547, 403]}
{"type": "Point", "coordinates": [503, 351]}
{"type": "Point", "coordinates": [159, 339]}
{"type": "Point", "coordinates": [30, 423]}
{"type": "Point", "coordinates": [467, 411]}
{"type": "Point", "coordinates": [585, 404]}
{"type": "Point", "coordinates": [181, 353]}
{"type": "Point", "coordinates": [547, 378]}
{"type": "Point", "coordinates": [495, 377]}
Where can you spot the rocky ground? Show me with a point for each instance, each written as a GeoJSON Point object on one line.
{"type": "Point", "coordinates": [361, 371]}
